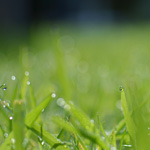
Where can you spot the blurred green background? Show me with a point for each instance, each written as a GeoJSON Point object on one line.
{"type": "Point", "coordinates": [84, 64]}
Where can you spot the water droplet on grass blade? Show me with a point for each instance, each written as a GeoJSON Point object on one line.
{"type": "Point", "coordinates": [11, 118]}
{"type": "Point", "coordinates": [67, 107]}
{"type": "Point", "coordinates": [13, 141]}
{"type": "Point", "coordinates": [27, 73]}
{"type": "Point", "coordinates": [13, 78]}
{"type": "Point", "coordinates": [121, 89]}
{"type": "Point", "coordinates": [42, 143]}
{"type": "Point", "coordinates": [61, 102]}
{"type": "Point", "coordinates": [28, 82]}
{"type": "Point", "coordinates": [127, 145]}
{"type": "Point", "coordinates": [5, 135]}
{"type": "Point", "coordinates": [53, 95]}
{"type": "Point", "coordinates": [4, 87]}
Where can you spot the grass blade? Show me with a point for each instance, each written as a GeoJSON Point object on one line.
{"type": "Point", "coordinates": [50, 139]}
{"type": "Point", "coordinates": [102, 129]}
{"type": "Point", "coordinates": [85, 127]}
{"type": "Point", "coordinates": [129, 122]}
{"type": "Point", "coordinates": [33, 115]}
{"type": "Point", "coordinates": [18, 123]}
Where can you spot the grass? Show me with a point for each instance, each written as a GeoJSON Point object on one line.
{"type": "Point", "coordinates": [60, 89]}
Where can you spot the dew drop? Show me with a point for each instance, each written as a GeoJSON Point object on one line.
{"type": "Point", "coordinates": [28, 82]}
{"type": "Point", "coordinates": [11, 118]}
{"type": "Point", "coordinates": [53, 95]}
{"type": "Point", "coordinates": [42, 142]}
{"type": "Point", "coordinates": [27, 73]}
{"type": "Point", "coordinates": [8, 104]}
{"type": "Point", "coordinates": [67, 107]}
{"type": "Point", "coordinates": [127, 145]}
{"type": "Point", "coordinates": [121, 89]}
{"type": "Point", "coordinates": [61, 102]}
{"type": "Point", "coordinates": [4, 87]}
{"type": "Point", "coordinates": [6, 135]}
{"type": "Point", "coordinates": [13, 78]}
{"type": "Point", "coordinates": [13, 141]}
{"type": "Point", "coordinates": [4, 106]}
{"type": "Point", "coordinates": [92, 121]}
{"type": "Point", "coordinates": [43, 110]}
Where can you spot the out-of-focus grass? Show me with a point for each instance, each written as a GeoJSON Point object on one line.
{"type": "Point", "coordinates": [85, 66]}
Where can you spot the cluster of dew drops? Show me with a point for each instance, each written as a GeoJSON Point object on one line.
{"type": "Point", "coordinates": [6, 104]}
{"type": "Point", "coordinates": [60, 101]}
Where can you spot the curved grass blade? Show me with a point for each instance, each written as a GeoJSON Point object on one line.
{"type": "Point", "coordinates": [129, 122]}
{"type": "Point", "coordinates": [85, 127]}
{"type": "Point", "coordinates": [102, 129]}
{"type": "Point", "coordinates": [68, 127]}
{"type": "Point", "coordinates": [33, 115]}
{"type": "Point", "coordinates": [113, 140]}
{"type": "Point", "coordinates": [122, 138]}
{"type": "Point", "coordinates": [50, 139]}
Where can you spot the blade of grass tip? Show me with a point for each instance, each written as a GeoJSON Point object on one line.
{"type": "Point", "coordinates": [34, 114]}
{"type": "Point", "coordinates": [18, 123]}
{"type": "Point", "coordinates": [128, 119]}
{"type": "Point", "coordinates": [60, 133]}
{"type": "Point", "coordinates": [24, 85]}
{"type": "Point", "coordinates": [122, 138]}
{"type": "Point", "coordinates": [102, 129]}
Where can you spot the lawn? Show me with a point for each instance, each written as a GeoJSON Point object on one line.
{"type": "Point", "coordinates": [75, 88]}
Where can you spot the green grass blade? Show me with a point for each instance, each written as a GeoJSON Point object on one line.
{"type": "Point", "coordinates": [129, 122]}
{"type": "Point", "coordinates": [102, 129]}
{"type": "Point", "coordinates": [86, 128]}
{"type": "Point", "coordinates": [60, 63]}
{"type": "Point", "coordinates": [24, 85]}
{"type": "Point", "coordinates": [122, 138]}
{"type": "Point", "coordinates": [33, 115]}
{"type": "Point", "coordinates": [68, 127]}
{"type": "Point", "coordinates": [6, 145]}
{"type": "Point", "coordinates": [120, 125]}
{"type": "Point", "coordinates": [18, 123]}
{"type": "Point", "coordinates": [113, 140]}
{"type": "Point", "coordinates": [50, 139]}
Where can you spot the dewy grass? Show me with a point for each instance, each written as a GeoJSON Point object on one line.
{"type": "Point", "coordinates": [73, 76]}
